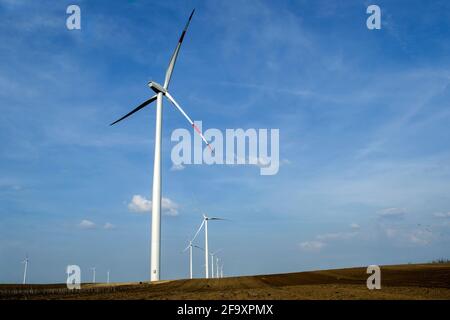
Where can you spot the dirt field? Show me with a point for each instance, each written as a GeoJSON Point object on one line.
{"type": "Point", "coordinates": [426, 281]}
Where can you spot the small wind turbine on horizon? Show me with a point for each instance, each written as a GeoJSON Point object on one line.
{"type": "Point", "coordinates": [205, 223]}
{"type": "Point", "coordinates": [190, 247]}
{"type": "Point", "coordinates": [160, 92]}
{"type": "Point", "coordinates": [93, 274]}
{"type": "Point", "coordinates": [214, 254]}
{"type": "Point", "coordinates": [217, 267]}
{"type": "Point", "coordinates": [25, 261]}
{"type": "Point", "coordinates": [107, 277]}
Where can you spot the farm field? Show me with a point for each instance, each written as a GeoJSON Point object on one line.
{"type": "Point", "coordinates": [412, 281]}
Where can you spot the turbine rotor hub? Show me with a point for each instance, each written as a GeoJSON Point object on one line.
{"type": "Point", "coordinates": [156, 87]}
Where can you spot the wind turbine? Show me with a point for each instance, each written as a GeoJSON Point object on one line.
{"type": "Point", "coordinates": [205, 223]}
{"type": "Point", "coordinates": [217, 267]}
{"type": "Point", "coordinates": [160, 91]}
{"type": "Point", "coordinates": [93, 274]}
{"type": "Point", "coordinates": [25, 261]}
{"type": "Point", "coordinates": [107, 277]}
{"type": "Point", "coordinates": [190, 246]}
{"type": "Point", "coordinates": [213, 254]}
{"type": "Point", "coordinates": [221, 270]}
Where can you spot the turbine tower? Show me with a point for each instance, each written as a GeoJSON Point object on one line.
{"type": "Point", "coordinates": [217, 267]}
{"type": "Point", "coordinates": [25, 261]}
{"type": "Point", "coordinates": [160, 91]}
{"type": "Point", "coordinates": [93, 274]}
{"type": "Point", "coordinates": [107, 277]}
{"type": "Point", "coordinates": [212, 266]}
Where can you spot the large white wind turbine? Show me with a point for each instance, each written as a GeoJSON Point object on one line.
{"type": "Point", "coordinates": [160, 92]}
{"type": "Point", "coordinates": [25, 261]}
{"type": "Point", "coordinates": [205, 224]}
{"type": "Point", "coordinates": [190, 247]}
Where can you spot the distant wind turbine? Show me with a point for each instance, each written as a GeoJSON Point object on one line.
{"type": "Point", "coordinates": [217, 267]}
{"type": "Point", "coordinates": [213, 254]}
{"type": "Point", "coordinates": [205, 223]}
{"type": "Point", "coordinates": [190, 246]}
{"type": "Point", "coordinates": [107, 277]}
{"type": "Point", "coordinates": [160, 91]}
{"type": "Point", "coordinates": [93, 274]}
{"type": "Point", "coordinates": [25, 261]}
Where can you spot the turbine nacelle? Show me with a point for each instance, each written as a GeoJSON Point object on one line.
{"type": "Point", "coordinates": [156, 87]}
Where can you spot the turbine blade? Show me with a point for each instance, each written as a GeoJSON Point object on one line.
{"type": "Point", "coordinates": [199, 247]}
{"type": "Point", "coordinates": [185, 249]}
{"type": "Point", "coordinates": [173, 59]}
{"type": "Point", "coordinates": [169, 96]}
{"type": "Point", "coordinates": [215, 218]}
{"type": "Point", "coordinates": [142, 105]}
{"type": "Point", "coordinates": [200, 228]}
{"type": "Point", "coordinates": [171, 99]}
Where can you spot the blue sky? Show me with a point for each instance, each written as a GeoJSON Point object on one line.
{"type": "Point", "coordinates": [363, 118]}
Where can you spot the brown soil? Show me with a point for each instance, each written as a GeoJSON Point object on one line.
{"type": "Point", "coordinates": [425, 281]}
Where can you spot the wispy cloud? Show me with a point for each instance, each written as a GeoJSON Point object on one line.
{"type": "Point", "coordinates": [312, 246]}
{"type": "Point", "coordinates": [442, 214]}
{"type": "Point", "coordinates": [325, 239]}
{"type": "Point", "coordinates": [355, 226]}
{"type": "Point", "coordinates": [402, 236]}
{"type": "Point", "coordinates": [391, 213]}
{"type": "Point", "coordinates": [421, 237]}
{"type": "Point", "coordinates": [109, 226]}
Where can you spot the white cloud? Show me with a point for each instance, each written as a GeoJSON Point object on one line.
{"type": "Point", "coordinates": [421, 237]}
{"type": "Point", "coordinates": [355, 226]}
{"type": "Point", "coordinates": [442, 215]}
{"type": "Point", "coordinates": [392, 213]}
{"type": "Point", "coordinates": [322, 240]}
{"type": "Point", "coordinates": [169, 207]}
{"type": "Point", "coordinates": [177, 167]}
{"type": "Point", "coordinates": [313, 246]}
{"type": "Point", "coordinates": [108, 226]}
{"type": "Point", "coordinates": [86, 224]}
{"type": "Point", "coordinates": [140, 204]}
